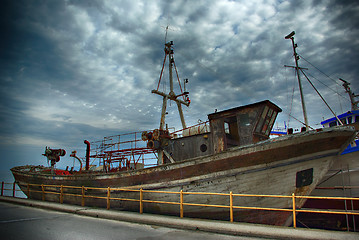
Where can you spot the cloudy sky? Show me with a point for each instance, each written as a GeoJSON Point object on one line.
{"type": "Point", "coordinates": [74, 70]}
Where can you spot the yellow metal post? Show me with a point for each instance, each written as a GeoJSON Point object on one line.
{"type": "Point", "coordinates": [83, 196]}
{"type": "Point", "coordinates": [181, 203]}
{"type": "Point", "coordinates": [61, 194]}
{"type": "Point", "coordinates": [108, 198]}
{"type": "Point", "coordinates": [231, 205]}
{"type": "Point", "coordinates": [141, 201]}
{"type": "Point", "coordinates": [43, 192]}
{"type": "Point", "coordinates": [294, 217]}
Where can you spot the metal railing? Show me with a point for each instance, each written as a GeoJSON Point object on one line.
{"type": "Point", "coordinates": [13, 188]}
{"type": "Point", "coordinates": [42, 188]}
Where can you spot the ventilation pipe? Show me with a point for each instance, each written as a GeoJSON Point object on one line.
{"type": "Point", "coordinates": [87, 155]}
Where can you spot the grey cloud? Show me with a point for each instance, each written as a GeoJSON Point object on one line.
{"type": "Point", "coordinates": [85, 69]}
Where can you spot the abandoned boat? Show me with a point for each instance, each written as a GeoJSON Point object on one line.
{"type": "Point", "coordinates": [230, 152]}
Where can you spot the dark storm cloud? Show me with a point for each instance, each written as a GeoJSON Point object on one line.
{"type": "Point", "coordinates": [78, 69]}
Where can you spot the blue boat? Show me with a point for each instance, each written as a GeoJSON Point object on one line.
{"type": "Point", "coordinates": [342, 179]}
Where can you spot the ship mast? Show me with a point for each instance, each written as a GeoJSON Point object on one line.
{"type": "Point", "coordinates": [352, 96]}
{"type": "Point", "coordinates": [297, 68]}
{"type": "Point", "coordinates": [170, 96]}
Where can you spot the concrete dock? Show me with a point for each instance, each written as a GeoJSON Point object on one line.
{"type": "Point", "coordinates": [211, 226]}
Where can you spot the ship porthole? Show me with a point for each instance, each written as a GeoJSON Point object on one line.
{"type": "Point", "coordinates": [203, 147]}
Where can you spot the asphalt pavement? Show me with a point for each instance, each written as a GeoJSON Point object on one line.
{"type": "Point", "coordinates": [28, 223]}
{"type": "Point", "coordinates": [226, 229]}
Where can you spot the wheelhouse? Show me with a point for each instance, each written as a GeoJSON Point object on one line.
{"type": "Point", "coordinates": [348, 118]}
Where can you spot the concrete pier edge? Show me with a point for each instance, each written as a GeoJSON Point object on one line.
{"type": "Point", "coordinates": [213, 226]}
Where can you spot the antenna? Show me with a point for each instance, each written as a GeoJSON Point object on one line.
{"type": "Point", "coordinates": [166, 31]}
{"type": "Point", "coordinates": [167, 27]}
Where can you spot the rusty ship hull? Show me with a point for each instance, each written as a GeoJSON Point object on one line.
{"type": "Point", "coordinates": [284, 165]}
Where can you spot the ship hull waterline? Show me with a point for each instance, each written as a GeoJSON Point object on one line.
{"type": "Point", "coordinates": [269, 167]}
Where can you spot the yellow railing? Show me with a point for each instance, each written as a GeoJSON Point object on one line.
{"type": "Point", "coordinates": [181, 203]}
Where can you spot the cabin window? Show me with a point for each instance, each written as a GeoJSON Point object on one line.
{"type": "Point", "coordinates": [274, 115]}
{"type": "Point", "coordinates": [265, 126]}
{"type": "Point", "coordinates": [350, 120]}
{"type": "Point", "coordinates": [343, 120]}
{"type": "Point", "coordinates": [357, 118]}
{"type": "Point", "coordinates": [268, 122]}
{"type": "Point", "coordinates": [231, 131]}
{"type": "Point", "coordinates": [261, 121]}
{"type": "Point", "coordinates": [226, 128]}
{"type": "Point", "coordinates": [333, 124]}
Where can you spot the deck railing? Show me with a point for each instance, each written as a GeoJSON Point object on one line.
{"type": "Point", "coordinates": [44, 190]}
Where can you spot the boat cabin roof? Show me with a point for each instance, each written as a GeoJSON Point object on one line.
{"type": "Point", "coordinates": [235, 110]}
{"type": "Point", "coordinates": [348, 117]}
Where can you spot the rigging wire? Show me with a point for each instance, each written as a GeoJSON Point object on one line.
{"type": "Point", "coordinates": [320, 70]}
{"type": "Point", "coordinates": [291, 102]}
{"type": "Point", "coordinates": [337, 84]}
{"type": "Point", "coordinates": [337, 92]}
{"type": "Point", "coordinates": [290, 115]}
{"type": "Point", "coordinates": [321, 97]}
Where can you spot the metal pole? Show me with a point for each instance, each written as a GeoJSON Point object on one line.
{"type": "Point", "coordinates": [163, 113]}
{"type": "Point", "coordinates": [345, 201]}
{"type": "Point", "coordinates": [231, 205]}
{"type": "Point", "coordinates": [108, 198]}
{"type": "Point", "coordinates": [141, 201]}
{"type": "Point", "coordinates": [351, 201]}
{"type": "Point", "coordinates": [170, 72]}
{"type": "Point", "coordinates": [294, 217]}
{"type": "Point", "coordinates": [83, 196]}
{"type": "Point", "coordinates": [296, 57]}
{"type": "Point", "coordinates": [181, 203]}
{"type": "Point", "coordinates": [354, 104]}
{"type": "Point", "coordinates": [181, 115]}
{"type": "Point", "coordinates": [43, 192]}
{"type": "Point", "coordinates": [62, 194]}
